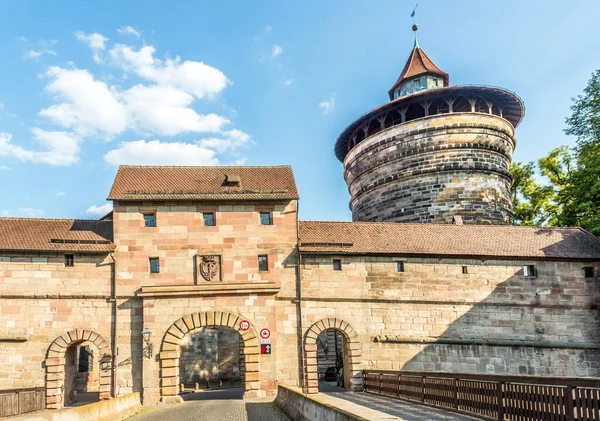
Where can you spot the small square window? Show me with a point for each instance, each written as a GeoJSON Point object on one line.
{"type": "Point", "coordinates": [154, 265]}
{"type": "Point", "coordinates": [337, 264]}
{"type": "Point", "coordinates": [465, 270]}
{"type": "Point", "coordinates": [265, 218]}
{"type": "Point", "coordinates": [529, 271]}
{"type": "Point", "coordinates": [399, 266]}
{"type": "Point", "coordinates": [588, 272]}
{"type": "Point", "coordinates": [69, 260]}
{"type": "Point", "coordinates": [263, 263]}
{"type": "Point", "coordinates": [209, 219]}
{"type": "Point", "coordinates": [149, 220]}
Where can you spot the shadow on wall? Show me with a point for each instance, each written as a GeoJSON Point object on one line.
{"type": "Point", "coordinates": [129, 370]}
{"type": "Point", "coordinates": [546, 324]}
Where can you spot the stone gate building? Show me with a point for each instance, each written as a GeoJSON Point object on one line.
{"type": "Point", "coordinates": [188, 248]}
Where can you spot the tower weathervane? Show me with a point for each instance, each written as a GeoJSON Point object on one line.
{"type": "Point", "coordinates": [415, 26]}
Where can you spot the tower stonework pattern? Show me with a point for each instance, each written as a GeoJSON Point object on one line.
{"type": "Point", "coordinates": [432, 153]}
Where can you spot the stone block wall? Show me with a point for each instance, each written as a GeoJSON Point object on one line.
{"type": "Point", "coordinates": [428, 170]}
{"type": "Point", "coordinates": [434, 317]}
{"type": "Point", "coordinates": [180, 235]}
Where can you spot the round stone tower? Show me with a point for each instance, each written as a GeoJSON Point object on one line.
{"type": "Point", "coordinates": [434, 152]}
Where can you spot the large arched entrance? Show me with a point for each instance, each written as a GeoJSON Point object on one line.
{"type": "Point", "coordinates": [67, 357]}
{"type": "Point", "coordinates": [351, 354]}
{"type": "Point", "coordinates": [171, 350]}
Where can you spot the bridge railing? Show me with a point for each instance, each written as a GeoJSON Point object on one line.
{"type": "Point", "coordinates": [493, 397]}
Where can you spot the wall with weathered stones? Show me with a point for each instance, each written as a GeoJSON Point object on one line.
{"type": "Point", "coordinates": [432, 168]}
{"type": "Point", "coordinates": [429, 317]}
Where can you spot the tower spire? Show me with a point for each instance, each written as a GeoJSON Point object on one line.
{"type": "Point", "coordinates": [415, 26]}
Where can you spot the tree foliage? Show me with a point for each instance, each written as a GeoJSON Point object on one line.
{"type": "Point", "coordinates": [572, 197]}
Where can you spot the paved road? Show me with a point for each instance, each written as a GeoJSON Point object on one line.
{"type": "Point", "coordinates": [221, 405]}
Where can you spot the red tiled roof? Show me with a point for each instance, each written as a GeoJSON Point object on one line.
{"type": "Point", "coordinates": [503, 241]}
{"type": "Point", "coordinates": [419, 64]}
{"type": "Point", "coordinates": [74, 235]}
{"type": "Point", "coordinates": [208, 183]}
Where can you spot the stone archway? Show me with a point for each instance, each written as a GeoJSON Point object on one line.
{"type": "Point", "coordinates": [56, 359]}
{"type": "Point", "coordinates": [170, 350]}
{"type": "Point", "coordinates": [352, 373]}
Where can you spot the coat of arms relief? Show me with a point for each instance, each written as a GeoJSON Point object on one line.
{"type": "Point", "coordinates": [209, 267]}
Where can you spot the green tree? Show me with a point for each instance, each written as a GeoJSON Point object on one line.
{"type": "Point", "coordinates": [573, 196]}
{"type": "Point", "coordinates": [531, 200]}
{"type": "Point", "coordinates": [581, 197]}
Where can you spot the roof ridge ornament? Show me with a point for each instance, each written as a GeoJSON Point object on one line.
{"type": "Point", "coordinates": [415, 26]}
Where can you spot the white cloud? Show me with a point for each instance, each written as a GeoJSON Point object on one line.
{"type": "Point", "coordinates": [232, 139]}
{"type": "Point", "coordinates": [328, 105]}
{"type": "Point", "coordinates": [288, 82]}
{"type": "Point", "coordinates": [90, 106]}
{"type": "Point", "coordinates": [60, 193]}
{"type": "Point", "coordinates": [276, 51]}
{"type": "Point", "coordinates": [99, 210]}
{"type": "Point", "coordinates": [95, 41]}
{"type": "Point", "coordinates": [128, 30]}
{"type": "Point", "coordinates": [193, 77]}
{"type": "Point", "coordinates": [30, 212]}
{"type": "Point", "coordinates": [155, 152]}
{"type": "Point", "coordinates": [164, 110]}
{"type": "Point", "coordinates": [4, 167]}
{"type": "Point", "coordinates": [59, 148]}
{"type": "Point", "coordinates": [37, 54]}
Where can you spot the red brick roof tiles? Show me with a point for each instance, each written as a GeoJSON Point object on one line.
{"type": "Point", "coordinates": [418, 64]}
{"type": "Point", "coordinates": [73, 235]}
{"type": "Point", "coordinates": [502, 241]}
{"type": "Point", "coordinates": [206, 183]}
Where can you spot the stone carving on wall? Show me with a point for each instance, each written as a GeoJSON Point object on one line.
{"type": "Point", "coordinates": [209, 267]}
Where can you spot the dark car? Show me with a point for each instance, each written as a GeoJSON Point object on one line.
{"type": "Point", "coordinates": [330, 374]}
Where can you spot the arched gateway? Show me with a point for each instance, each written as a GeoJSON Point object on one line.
{"type": "Point", "coordinates": [351, 354]}
{"type": "Point", "coordinates": [57, 367]}
{"type": "Point", "coordinates": [170, 349]}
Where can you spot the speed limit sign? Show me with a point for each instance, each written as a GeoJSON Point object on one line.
{"type": "Point", "coordinates": [265, 333]}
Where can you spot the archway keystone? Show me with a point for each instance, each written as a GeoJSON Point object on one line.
{"type": "Point", "coordinates": [170, 350]}
{"type": "Point", "coordinates": [352, 354]}
{"type": "Point", "coordinates": [56, 359]}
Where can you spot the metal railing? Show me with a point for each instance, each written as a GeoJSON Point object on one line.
{"type": "Point", "coordinates": [493, 397]}
{"type": "Point", "coordinates": [21, 401]}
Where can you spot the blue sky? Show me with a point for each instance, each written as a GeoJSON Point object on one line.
{"type": "Point", "coordinates": [85, 87]}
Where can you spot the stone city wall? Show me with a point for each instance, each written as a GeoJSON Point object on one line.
{"type": "Point", "coordinates": [434, 317]}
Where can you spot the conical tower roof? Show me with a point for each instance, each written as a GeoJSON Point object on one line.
{"type": "Point", "coordinates": [418, 64]}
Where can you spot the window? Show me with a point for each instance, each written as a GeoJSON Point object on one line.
{"type": "Point", "coordinates": [265, 218]}
{"type": "Point", "coordinates": [149, 220]}
{"type": "Point", "coordinates": [399, 266]}
{"type": "Point", "coordinates": [263, 263]}
{"type": "Point", "coordinates": [529, 271]}
{"type": "Point", "coordinates": [588, 272]}
{"type": "Point", "coordinates": [465, 270]}
{"type": "Point", "coordinates": [337, 264]}
{"type": "Point", "coordinates": [209, 219]}
{"type": "Point", "coordinates": [436, 82]}
{"type": "Point", "coordinates": [69, 260]}
{"type": "Point", "coordinates": [154, 265]}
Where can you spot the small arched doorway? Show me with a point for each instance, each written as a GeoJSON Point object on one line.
{"type": "Point", "coordinates": [170, 355]}
{"type": "Point", "coordinates": [351, 354]}
{"type": "Point", "coordinates": [77, 362]}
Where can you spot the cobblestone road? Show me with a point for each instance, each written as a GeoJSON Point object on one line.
{"type": "Point", "coordinates": [223, 405]}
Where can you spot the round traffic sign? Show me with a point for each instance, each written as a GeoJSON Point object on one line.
{"type": "Point", "coordinates": [244, 325]}
{"type": "Point", "coordinates": [265, 333]}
